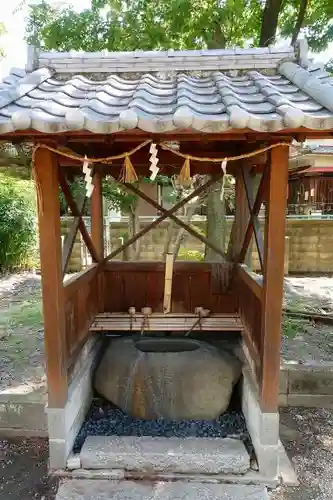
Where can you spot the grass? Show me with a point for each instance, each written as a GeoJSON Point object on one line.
{"type": "Point", "coordinates": [27, 313]}
{"type": "Point", "coordinates": [291, 327]}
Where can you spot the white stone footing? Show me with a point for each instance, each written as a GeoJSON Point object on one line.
{"type": "Point", "coordinates": [65, 423]}
{"type": "Point", "coordinates": [263, 428]}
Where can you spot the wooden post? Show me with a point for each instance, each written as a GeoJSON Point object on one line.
{"type": "Point", "coordinates": [168, 282]}
{"type": "Point", "coordinates": [97, 221]}
{"type": "Point", "coordinates": [46, 177]}
{"type": "Point", "coordinates": [273, 277]}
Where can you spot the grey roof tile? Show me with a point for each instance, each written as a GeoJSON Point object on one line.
{"type": "Point", "coordinates": [215, 102]}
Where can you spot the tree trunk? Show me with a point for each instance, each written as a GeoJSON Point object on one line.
{"type": "Point", "coordinates": [133, 228]}
{"type": "Point", "coordinates": [300, 20]}
{"type": "Point", "coordinates": [190, 212]}
{"type": "Point", "coordinates": [216, 221]}
{"type": "Point", "coordinates": [269, 22]}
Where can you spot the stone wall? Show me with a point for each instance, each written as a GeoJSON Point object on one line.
{"type": "Point", "coordinates": [306, 385]}
{"type": "Point", "coordinates": [308, 248]}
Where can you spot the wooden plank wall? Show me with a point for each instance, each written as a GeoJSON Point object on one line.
{"type": "Point", "coordinates": [83, 300]}
{"type": "Point", "coordinates": [249, 294]}
{"type": "Point", "coordinates": [141, 284]}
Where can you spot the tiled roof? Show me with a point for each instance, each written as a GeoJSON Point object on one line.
{"type": "Point", "coordinates": [293, 97]}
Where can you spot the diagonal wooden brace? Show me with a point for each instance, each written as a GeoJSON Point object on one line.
{"type": "Point", "coordinates": [70, 238]}
{"type": "Point", "coordinates": [178, 221]}
{"type": "Point", "coordinates": [166, 213]}
{"type": "Point", "coordinates": [77, 213]}
{"type": "Point", "coordinates": [253, 225]}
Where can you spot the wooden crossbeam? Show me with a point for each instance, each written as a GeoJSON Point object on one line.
{"type": "Point", "coordinates": [178, 221]}
{"type": "Point", "coordinates": [165, 214]}
{"type": "Point", "coordinates": [254, 205]}
{"type": "Point", "coordinates": [70, 238]}
{"type": "Point", "coordinates": [77, 213]}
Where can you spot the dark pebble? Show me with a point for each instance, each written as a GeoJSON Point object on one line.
{"type": "Point", "coordinates": [112, 421]}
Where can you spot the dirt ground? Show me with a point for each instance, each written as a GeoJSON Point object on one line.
{"type": "Point", "coordinates": [21, 333]}
{"type": "Point", "coordinates": [306, 433]}
{"type": "Point", "coordinates": [23, 470]}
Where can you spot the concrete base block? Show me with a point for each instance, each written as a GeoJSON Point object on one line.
{"type": "Point", "coordinates": [124, 490]}
{"type": "Point", "coordinates": [158, 454]}
{"type": "Point", "coordinates": [23, 417]}
{"type": "Point", "coordinates": [263, 428]}
{"type": "Point", "coordinates": [286, 469]}
{"type": "Point", "coordinates": [65, 423]}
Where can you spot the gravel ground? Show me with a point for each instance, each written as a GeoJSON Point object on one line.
{"type": "Point", "coordinates": [105, 420]}
{"type": "Point", "coordinates": [308, 342]}
{"type": "Point", "coordinates": [23, 470]}
{"type": "Point", "coordinates": [308, 437]}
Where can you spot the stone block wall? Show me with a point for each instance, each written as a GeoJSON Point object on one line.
{"type": "Point", "coordinates": [306, 385]}
{"type": "Point", "coordinates": [308, 243]}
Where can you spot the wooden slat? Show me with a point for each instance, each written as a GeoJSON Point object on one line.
{"type": "Point", "coordinates": [273, 277]}
{"type": "Point", "coordinates": [165, 322]}
{"type": "Point", "coordinates": [168, 282]}
{"type": "Point", "coordinates": [83, 300]}
{"type": "Point", "coordinates": [46, 177]}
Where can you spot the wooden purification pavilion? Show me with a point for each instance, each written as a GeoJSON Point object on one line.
{"type": "Point", "coordinates": [214, 105]}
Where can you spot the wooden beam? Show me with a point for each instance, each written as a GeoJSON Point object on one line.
{"type": "Point", "coordinates": [46, 177]}
{"type": "Point", "coordinates": [178, 221]}
{"type": "Point", "coordinates": [96, 211]}
{"type": "Point", "coordinates": [76, 212]}
{"type": "Point", "coordinates": [246, 277]}
{"type": "Point", "coordinates": [70, 239]}
{"type": "Point", "coordinates": [275, 225]}
{"type": "Point", "coordinates": [165, 215]}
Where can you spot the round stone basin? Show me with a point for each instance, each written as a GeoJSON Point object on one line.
{"type": "Point", "coordinates": [166, 345]}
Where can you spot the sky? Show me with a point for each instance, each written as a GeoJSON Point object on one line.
{"type": "Point", "coordinates": [15, 47]}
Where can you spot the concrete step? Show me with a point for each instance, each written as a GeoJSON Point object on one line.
{"type": "Point", "coordinates": [77, 489]}
{"type": "Point", "coordinates": [159, 454]}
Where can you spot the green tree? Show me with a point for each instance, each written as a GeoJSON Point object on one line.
{"type": "Point", "coordinates": [17, 228]}
{"type": "Point", "coordinates": [2, 32]}
{"type": "Point", "coordinates": [145, 25]}
{"type": "Point", "coordinates": [178, 24]}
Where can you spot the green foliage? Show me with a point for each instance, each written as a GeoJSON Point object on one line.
{"type": "Point", "coordinates": [192, 255]}
{"type": "Point", "coordinates": [317, 25]}
{"type": "Point", "coordinates": [27, 313]}
{"type": "Point", "coordinates": [170, 24]}
{"type": "Point", "coordinates": [118, 197]}
{"type": "Point", "coordinates": [2, 32]}
{"type": "Point", "coordinates": [78, 190]}
{"type": "Point", "coordinates": [17, 229]}
{"type": "Point", "coordinates": [145, 24]}
{"type": "Point", "coordinates": [292, 326]}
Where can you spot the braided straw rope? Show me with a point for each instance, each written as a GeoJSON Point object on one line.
{"type": "Point", "coordinates": [126, 154]}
